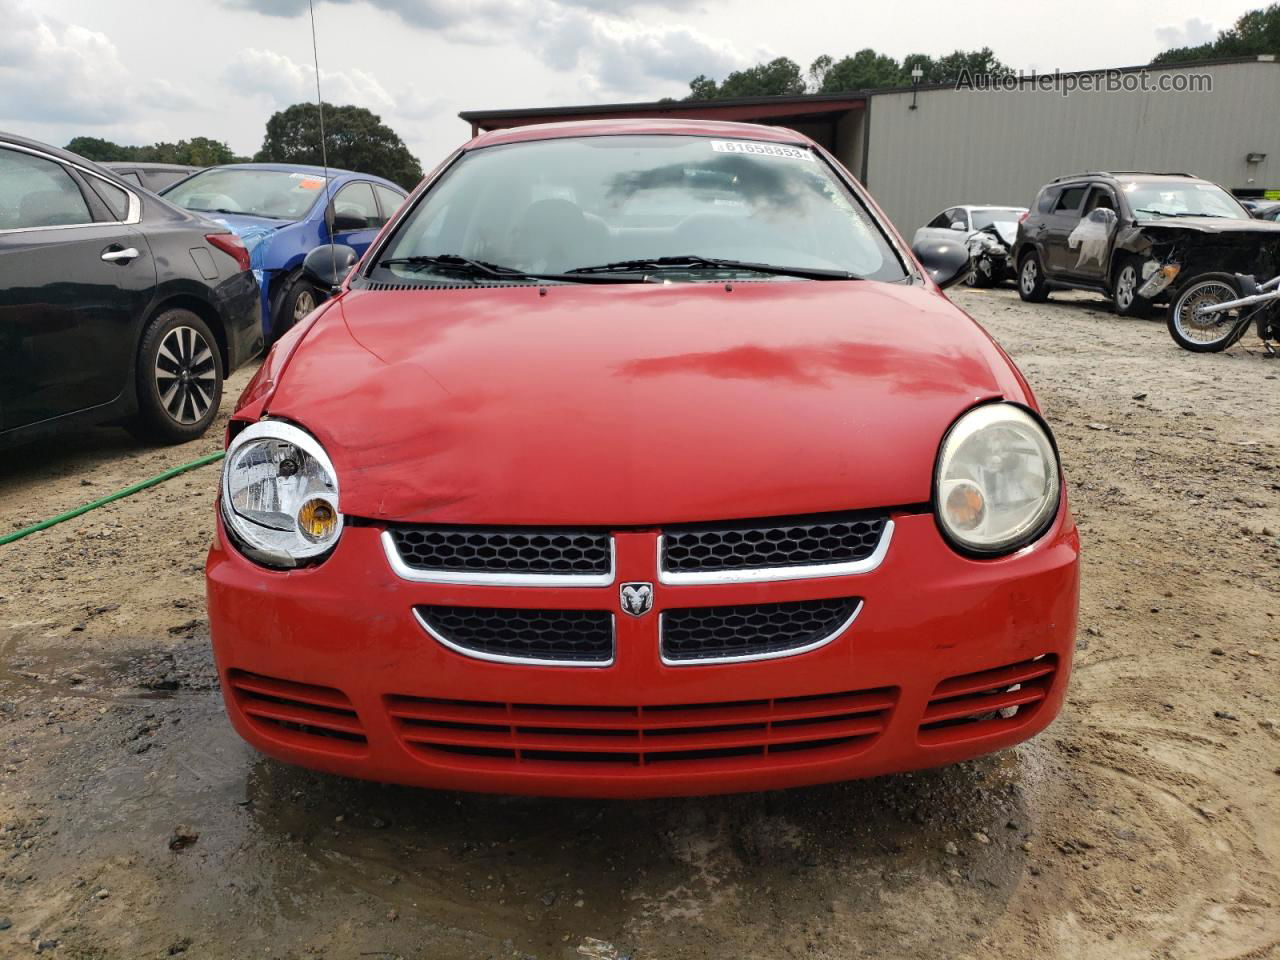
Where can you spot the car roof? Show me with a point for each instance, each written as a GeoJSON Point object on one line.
{"type": "Point", "coordinates": [68, 157]}
{"type": "Point", "coordinates": [1125, 176]}
{"type": "Point", "coordinates": [334, 172]}
{"type": "Point", "coordinates": [281, 168]}
{"type": "Point", "coordinates": [148, 165]}
{"type": "Point", "coordinates": [53, 151]}
{"type": "Point", "coordinates": [640, 127]}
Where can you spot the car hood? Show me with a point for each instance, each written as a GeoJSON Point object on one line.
{"type": "Point", "coordinates": [1006, 230]}
{"type": "Point", "coordinates": [637, 405]}
{"type": "Point", "coordinates": [1266, 228]}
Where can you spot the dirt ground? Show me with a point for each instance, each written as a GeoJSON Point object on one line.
{"type": "Point", "coordinates": [1144, 823]}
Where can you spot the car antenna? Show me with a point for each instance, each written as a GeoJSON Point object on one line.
{"type": "Point", "coordinates": [324, 152]}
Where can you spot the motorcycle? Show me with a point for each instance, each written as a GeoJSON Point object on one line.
{"type": "Point", "coordinates": [1214, 311]}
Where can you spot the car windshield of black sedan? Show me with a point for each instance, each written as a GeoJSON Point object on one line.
{"type": "Point", "coordinates": [1175, 198]}
{"type": "Point", "coordinates": [555, 206]}
{"type": "Point", "coordinates": [274, 194]}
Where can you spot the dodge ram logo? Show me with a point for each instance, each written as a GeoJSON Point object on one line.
{"type": "Point", "coordinates": [637, 598]}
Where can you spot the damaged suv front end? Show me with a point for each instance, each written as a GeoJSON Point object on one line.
{"type": "Point", "coordinates": [1176, 252]}
{"type": "Point", "coordinates": [1138, 238]}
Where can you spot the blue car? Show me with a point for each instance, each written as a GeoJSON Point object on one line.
{"type": "Point", "coordinates": [276, 210]}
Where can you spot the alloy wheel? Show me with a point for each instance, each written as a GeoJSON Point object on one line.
{"type": "Point", "coordinates": [185, 374]}
{"type": "Point", "coordinates": [1029, 276]}
{"type": "Point", "coordinates": [303, 304]}
{"type": "Point", "coordinates": [1126, 287]}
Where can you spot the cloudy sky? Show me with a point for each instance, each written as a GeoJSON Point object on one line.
{"type": "Point", "coordinates": [138, 72]}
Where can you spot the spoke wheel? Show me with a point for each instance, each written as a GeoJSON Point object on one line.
{"type": "Point", "coordinates": [185, 374]}
{"type": "Point", "coordinates": [1205, 332]}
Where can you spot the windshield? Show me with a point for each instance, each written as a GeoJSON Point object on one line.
{"type": "Point", "coordinates": [276, 194]}
{"type": "Point", "coordinates": [1005, 217]}
{"type": "Point", "coordinates": [1181, 198]}
{"type": "Point", "coordinates": [554, 206]}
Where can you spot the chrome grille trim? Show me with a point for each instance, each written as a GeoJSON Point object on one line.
{"type": "Point", "coordinates": [748, 657]}
{"type": "Point", "coordinates": [521, 661]}
{"type": "Point", "coordinates": [774, 574]}
{"type": "Point", "coordinates": [492, 579]}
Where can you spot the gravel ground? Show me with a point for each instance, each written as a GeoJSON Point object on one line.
{"type": "Point", "coordinates": [1144, 823]}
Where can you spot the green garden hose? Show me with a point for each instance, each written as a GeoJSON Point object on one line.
{"type": "Point", "coordinates": [119, 494]}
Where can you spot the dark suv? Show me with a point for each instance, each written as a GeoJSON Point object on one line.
{"type": "Point", "coordinates": [1137, 237]}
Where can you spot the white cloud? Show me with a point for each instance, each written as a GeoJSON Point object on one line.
{"type": "Point", "coordinates": [626, 58]}
{"type": "Point", "coordinates": [53, 72]}
{"type": "Point", "coordinates": [282, 81]}
{"type": "Point", "coordinates": [1192, 33]}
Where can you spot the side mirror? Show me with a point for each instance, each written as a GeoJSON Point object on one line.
{"type": "Point", "coordinates": [957, 225]}
{"type": "Point", "coordinates": [327, 266]}
{"type": "Point", "coordinates": [945, 260]}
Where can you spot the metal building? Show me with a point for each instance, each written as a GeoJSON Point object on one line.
{"type": "Point", "coordinates": [920, 151]}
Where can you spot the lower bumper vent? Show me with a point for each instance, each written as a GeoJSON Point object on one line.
{"type": "Point", "coordinates": [494, 735]}
{"type": "Point", "coordinates": [302, 715]}
{"type": "Point", "coordinates": [987, 702]}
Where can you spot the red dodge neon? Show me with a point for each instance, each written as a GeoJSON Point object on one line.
{"type": "Point", "coordinates": [639, 459]}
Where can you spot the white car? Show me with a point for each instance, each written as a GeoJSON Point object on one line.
{"type": "Point", "coordinates": [988, 232]}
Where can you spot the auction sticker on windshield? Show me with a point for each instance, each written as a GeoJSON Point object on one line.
{"type": "Point", "coordinates": [761, 149]}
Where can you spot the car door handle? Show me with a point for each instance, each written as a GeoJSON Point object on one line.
{"type": "Point", "coordinates": [120, 256]}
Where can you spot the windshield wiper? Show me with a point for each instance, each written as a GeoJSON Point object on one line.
{"type": "Point", "coordinates": [1182, 213]}
{"type": "Point", "coordinates": [237, 213]}
{"type": "Point", "coordinates": [454, 263]}
{"type": "Point", "coordinates": [695, 262]}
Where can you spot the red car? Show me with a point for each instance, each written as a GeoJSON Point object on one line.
{"type": "Point", "coordinates": [639, 459]}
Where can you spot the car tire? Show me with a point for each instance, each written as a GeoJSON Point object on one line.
{"type": "Point", "coordinates": [178, 378]}
{"type": "Point", "coordinates": [1124, 289]}
{"type": "Point", "coordinates": [300, 297]}
{"type": "Point", "coordinates": [976, 277]}
{"type": "Point", "coordinates": [1032, 286]}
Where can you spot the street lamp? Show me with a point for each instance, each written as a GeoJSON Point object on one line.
{"type": "Point", "coordinates": [916, 73]}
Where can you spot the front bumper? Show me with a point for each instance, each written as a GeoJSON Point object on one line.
{"type": "Point", "coordinates": [336, 650]}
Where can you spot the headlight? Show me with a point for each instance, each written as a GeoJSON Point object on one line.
{"type": "Point", "coordinates": [280, 494]}
{"type": "Point", "coordinates": [996, 484]}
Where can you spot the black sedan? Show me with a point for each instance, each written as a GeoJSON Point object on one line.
{"type": "Point", "coordinates": [115, 305]}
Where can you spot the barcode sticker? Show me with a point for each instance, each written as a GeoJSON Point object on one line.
{"type": "Point", "coordinates": [753, 148]}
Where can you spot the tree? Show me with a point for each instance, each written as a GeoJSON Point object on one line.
{"type": "Point", "coordinates": [780, 77]}
{"type": "Point", "coordinates": [865, 70]}
{"type": "Point", "coordinates": [99, 150]}
{"type": "Point", "coordinates": [1256, 32]}
{"type": "Point", "coordinates": [971, 62]}
{"type": "Point", "coordinates": [196, 152]}
{"type": "Point", "coordinates": [356, 139]}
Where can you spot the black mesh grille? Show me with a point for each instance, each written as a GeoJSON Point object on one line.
{"type": "Point", "coordinates": [843, 538]}
{"type": "Point", "coordinates": [583, 635]}
{"type": "Point", "coordinates": [460, 549]}
{"type": "Point", "coordinates": [700, 633]}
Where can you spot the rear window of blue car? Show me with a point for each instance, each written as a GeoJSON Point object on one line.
{"type": "Point", "coordinates": [274, 194]}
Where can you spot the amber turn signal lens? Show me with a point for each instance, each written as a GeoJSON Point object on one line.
{"type": "Point", "coordinates": [317, 520]}
{"type": "Point", "coordinates": [965, 506]}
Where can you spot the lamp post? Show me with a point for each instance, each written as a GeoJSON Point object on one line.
{"type": "Point", "coordinates": [916, 73]}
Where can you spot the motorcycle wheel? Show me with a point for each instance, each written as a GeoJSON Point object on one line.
{"type": "Point", "coordinates": [1206, 335]}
